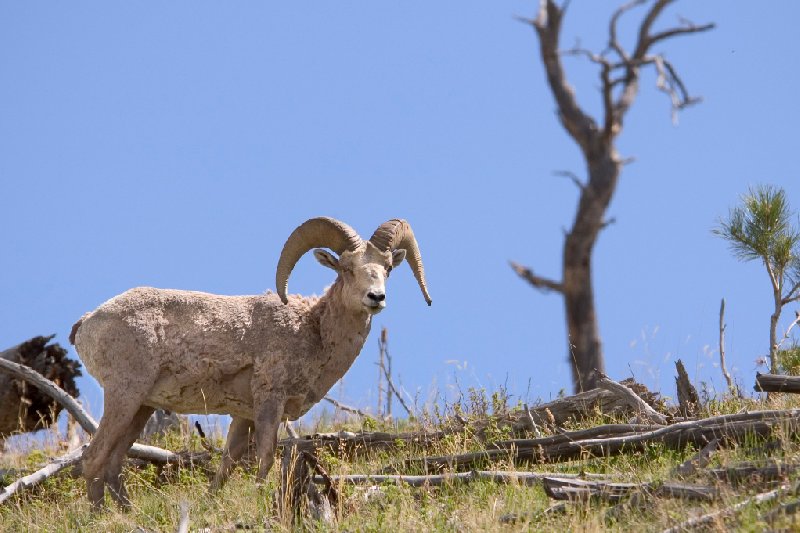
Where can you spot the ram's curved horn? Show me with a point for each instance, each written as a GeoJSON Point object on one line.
{"type": "Point", "coordinates": [396, 234]}
{"type": "Point", "coordinates": [320, 232]}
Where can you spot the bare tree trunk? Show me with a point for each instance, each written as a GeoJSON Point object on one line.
{"type": "Point", "coordinates": [585, 345]}
{"type": "Point", "coordinates": [619, 77]}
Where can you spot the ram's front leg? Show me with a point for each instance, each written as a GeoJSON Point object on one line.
{"type": "Point", "coordinates": [268, 417]}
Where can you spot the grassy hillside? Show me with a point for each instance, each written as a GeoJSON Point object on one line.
{"type": "Point", "coordinates": [60, 503]}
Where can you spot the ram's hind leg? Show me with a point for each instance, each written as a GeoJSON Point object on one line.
{"type": "Point", "coordinates": [116, 484]}
{"type": "Point", "coordinates": [119, 411]}
{"type": "Point", "coordinates": [236, 445]}
{"type": "Point", "coordinates": [122, 409]}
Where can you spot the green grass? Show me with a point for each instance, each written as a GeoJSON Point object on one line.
{"type": "Point", "coordinates": [60, 503]}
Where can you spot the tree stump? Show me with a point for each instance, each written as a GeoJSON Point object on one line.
{"type": "Point", "coordinates": [688, 400]}
{"type": "Point", "coordinates": [298, 494]}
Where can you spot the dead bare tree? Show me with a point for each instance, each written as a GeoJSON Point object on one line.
{"type": "Point", "coordinates": [619, 85]}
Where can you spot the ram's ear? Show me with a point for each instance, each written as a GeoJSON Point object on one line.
{"type": "Point", "coordinates": [398, 256]}
{"type": "Point", "coordinates": [326, 259]}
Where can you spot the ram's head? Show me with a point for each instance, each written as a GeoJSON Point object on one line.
{"type": "Point", "coordinates": [362, 266]}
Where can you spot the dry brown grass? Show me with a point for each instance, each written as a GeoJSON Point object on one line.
{"type": "Point", "coordinates": [60, 503]}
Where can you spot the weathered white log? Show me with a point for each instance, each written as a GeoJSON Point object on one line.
{"type": "Point", "coordinates": [498, 476]}
{"type": "Point", "coordinates": [43, 473]}
{"type": "Point", "coordinates": [604, 382]}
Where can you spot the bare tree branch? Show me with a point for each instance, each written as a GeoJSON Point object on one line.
{"type": "Point", "coordinates": [669, 81]}
{"type": "Point", "coordinates": [684, 30]}
{"type": "Point", "coordinates": [539, 282]}
{"type": "Point", "coordinates": [547, 24]}
{"type": "Point", "coordinates": [394, 390]}
{"type": "Point", "coordinates": [572, 176]}
{"type": "Point", "coordinates": [613, 41]}
{"type": "Point", "coordinates": [347, 408]}
{"type": "Point", "coordinates": [722, 327]}
{"type": "Point", "coordinates": [792, 295]}
{"type": "Point", "coordinates": [789, 329]}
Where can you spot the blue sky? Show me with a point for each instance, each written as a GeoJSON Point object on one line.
{"type": "Point", "coordinates": [178, 144]}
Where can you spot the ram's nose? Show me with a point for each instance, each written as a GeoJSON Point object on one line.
{"type": "Point", "coordinates": [375, 301]}
{"type": "Point", "coordinates": [376, 296]}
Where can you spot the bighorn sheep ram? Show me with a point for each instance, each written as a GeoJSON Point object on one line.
{"type": "Point", "coordinates": [262, 359]}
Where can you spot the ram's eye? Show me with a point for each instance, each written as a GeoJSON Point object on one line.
{"type": "Point", "coordinates": [388, 270]}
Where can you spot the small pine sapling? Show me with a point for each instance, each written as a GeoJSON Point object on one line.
{"type": "Point", "coordinates": [761, 229]}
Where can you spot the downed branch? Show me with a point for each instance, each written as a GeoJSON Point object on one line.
{"type": "Point", "coordinates": [716, 515]}
{"type": "Point", "coordinates": [785, 509]}
{"type": "Point", "coordinates": [698, 460]}
{"type": "Point", "coordinates": [43, 473]}
{"type": "Point", "coordinates": [751, 472]}
{"type": "Point", "coordinates": [639, 405]}
{"type": "Point", "coordinates": [348, 442]}
{"type": "Point", "coordinates": [777, 383]}
{"type": "Point", "coordinates": [513, 518]}
{"type": "Point", "coordinates": [575, 445]}
{"type": "Point", "coordinates": [560, 488]}
{"type": "Point", "coordinates": [347, 408]}
{"type": "Point", "coordinates": [497, 476]}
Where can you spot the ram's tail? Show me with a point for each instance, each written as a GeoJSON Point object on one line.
{"type": "Point", "coordinates": [75, 327]}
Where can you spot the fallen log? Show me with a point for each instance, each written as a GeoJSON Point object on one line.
{"type": "Point", "coordinates": [784, 509]}
{"type": "Point", "coordinates": [351, 443]}
{"type": "Point", "coordinates": [574, 445]}
{"type": "Point", "coordinates": [25, 408]}
{"type": "Point", "coordinates": [777, 383]}
{"type": "Point", "coordinates": [582, 405]}
{"type": "Point", "coordinates": [750, 473]}
{"type": "Point", "coordinates": [529, 419]}
{"type": "Point", "coordinates": [560, 488]}
{"type": "Point", "coordinates": [436, 480]}
{"type": "Point", "coordinates": [712, 517]}
{"type": "Point", "coordinates": [43, 473]}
